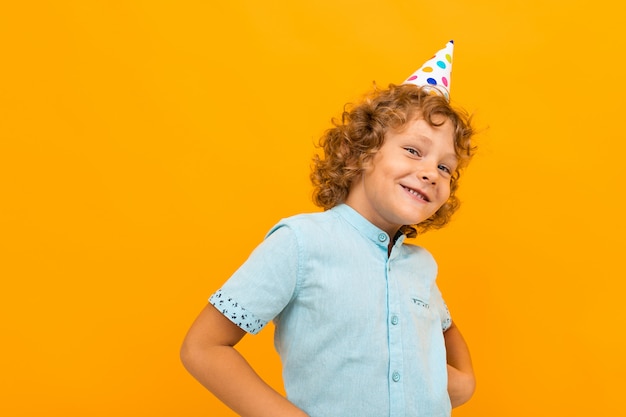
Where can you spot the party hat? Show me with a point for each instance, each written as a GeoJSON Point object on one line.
{"type": "Point", "coordinates": [435, 73]}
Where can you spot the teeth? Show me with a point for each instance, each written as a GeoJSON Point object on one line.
{"type": "Point", "coordinates": [415, 193]}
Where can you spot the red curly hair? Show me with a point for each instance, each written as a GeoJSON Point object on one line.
{"type": "Point", "coordinates": [361, 132]}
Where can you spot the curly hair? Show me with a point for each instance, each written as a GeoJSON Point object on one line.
{"type": "Point", "coordinates": [361, 132]}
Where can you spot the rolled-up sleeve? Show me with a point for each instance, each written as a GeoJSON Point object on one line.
{"type": "Point", "coordinates": [261, 288]}
{"type": "Point", "coordinates": [439, 303]}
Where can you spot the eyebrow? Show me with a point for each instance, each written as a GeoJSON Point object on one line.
{"type": "Point", "coordinates": [451, 155]}
{"type": "Point", "coordinates": [430, 141]}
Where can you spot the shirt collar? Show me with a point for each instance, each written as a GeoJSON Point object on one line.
{"type": "Point", "coordinates": [364, 226]}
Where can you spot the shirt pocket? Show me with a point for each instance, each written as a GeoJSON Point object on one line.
{"type": "Point", "coordinates": [419, 306]}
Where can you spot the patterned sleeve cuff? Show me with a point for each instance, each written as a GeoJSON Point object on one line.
{"type": "Point", "coordinates": [446, 322]}
{"type": "Point", "coordinates": [236, 313]}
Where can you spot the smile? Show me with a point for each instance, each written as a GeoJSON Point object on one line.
{"type": "Point", "coordinates": [416, 194]}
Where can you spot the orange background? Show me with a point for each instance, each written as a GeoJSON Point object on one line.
{"type": "Point", "coordinates": [147, 146]}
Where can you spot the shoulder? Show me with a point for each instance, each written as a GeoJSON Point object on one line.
{"type": "Point", "coordinates": [312, 235]}
{"type": "Point", "coordinates": [306, 223]}
{"type": "Point", "coordinates": [419, 257]}
{"type": "Point", "coordinates": [417, 251]}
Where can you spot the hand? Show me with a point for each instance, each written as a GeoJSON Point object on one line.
{"type": "Point", "coordinates": [461, 380]}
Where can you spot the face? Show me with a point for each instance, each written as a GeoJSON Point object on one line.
{"type": "Point", "coordinates": [408, 179]}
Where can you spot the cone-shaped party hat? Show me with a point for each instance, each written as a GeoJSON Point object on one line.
{"type": "Point", "coordinates": [435, 73]}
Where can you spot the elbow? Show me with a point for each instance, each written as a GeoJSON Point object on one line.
{"type": "Point", "coordinates": [470, 387]}
{"type": "Point", "coordinates": [186, 354]}
{"type": "Point", "coordinates": [465, 390]}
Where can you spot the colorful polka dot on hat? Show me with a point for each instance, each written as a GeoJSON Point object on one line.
{"type": "Point", "coordinates": [435, 73]}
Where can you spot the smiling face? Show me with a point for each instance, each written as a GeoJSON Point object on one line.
{"type": "Point", "coordinates": [408, 178]}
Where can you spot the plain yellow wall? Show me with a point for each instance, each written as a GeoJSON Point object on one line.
{"type": "Point", "coordinates": [147, 146]}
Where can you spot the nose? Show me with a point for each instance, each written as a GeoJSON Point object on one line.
{"type": "Point", "coordinates": [428, 173]}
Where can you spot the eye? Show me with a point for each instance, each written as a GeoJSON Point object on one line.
{"type": "Point", "coordinates": [445, 169]}
{"type": "Point", "coordinates": [413, 151]}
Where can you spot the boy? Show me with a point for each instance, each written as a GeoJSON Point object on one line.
{"type": "Point", "coordinates": [361, 327]}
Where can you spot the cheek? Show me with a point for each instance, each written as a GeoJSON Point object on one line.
{"type": "Point", "coordinates": [445, 191]}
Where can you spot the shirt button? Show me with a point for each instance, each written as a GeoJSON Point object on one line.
{"type": "Point", "coordinates": [382, 237]}
{"type": "Point", "coordinates": [395, 376]}
{"type": "Point", "coordinates": [394, 320]}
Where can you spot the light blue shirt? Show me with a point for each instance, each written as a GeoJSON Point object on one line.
{"type": "Point", "coordinates": [359, 333]}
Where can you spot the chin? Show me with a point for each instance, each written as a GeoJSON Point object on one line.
{"type": "Point", "coordinates": [419, 218]}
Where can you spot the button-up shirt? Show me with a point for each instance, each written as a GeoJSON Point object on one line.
{"type": "Point", "coordinates": [359, 330]}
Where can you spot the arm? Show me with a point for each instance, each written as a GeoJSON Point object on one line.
{"type": "Point", "coordinates": [461, 381]}
{"type": "Point", "coordinates": [209, 355]}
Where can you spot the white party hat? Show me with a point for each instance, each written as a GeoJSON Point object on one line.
{"type": "Point", "coordinates": [435, 73]}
